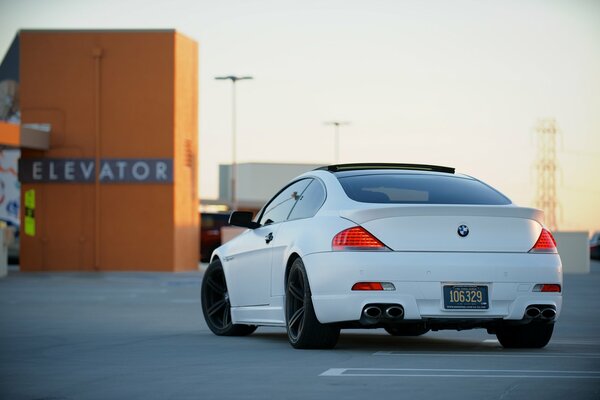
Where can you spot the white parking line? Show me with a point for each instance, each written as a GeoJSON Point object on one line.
{"type": "Point", "coordinates": [461, 373]}
{"type": "Point", "coordinates": [577, 342]}
{"type": "Point", "coordinates": [488, 354]}
{"type": "Point", "coordinates": [581, 342]}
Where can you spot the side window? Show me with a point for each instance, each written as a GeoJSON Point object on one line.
{"type": "Point", "coordinates": [278, 209]}
{"type": "Point", "coordinates": [309, 203]}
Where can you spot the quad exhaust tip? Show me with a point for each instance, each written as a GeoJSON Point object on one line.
{"type": "Point", "coordinates": [372, 312]}
{"type": "Point", "coordinates": [533, 312]}
{"type": "Point", "coordinates": [394, 312]}
{"type": "Point", "coordinates": [383, 311]}
{"type": "Point", "coordinates": [547, 313]}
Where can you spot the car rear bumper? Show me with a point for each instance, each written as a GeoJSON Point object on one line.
{"type": "Point", "coordinates": [419, 279]}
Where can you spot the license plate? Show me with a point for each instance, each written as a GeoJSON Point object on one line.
{"type": "Point", "coordinates": [465, 297]}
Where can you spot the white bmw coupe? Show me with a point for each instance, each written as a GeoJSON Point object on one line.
{"type": "Point", "coordinates": [408, 248]}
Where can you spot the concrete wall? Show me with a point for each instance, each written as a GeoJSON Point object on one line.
{"type": "Point", "coordinates": [574, 251]}
{"type": "Point", "coordinates": [113, 95]}
{"type": "Point", "coordinates": [258, 182]}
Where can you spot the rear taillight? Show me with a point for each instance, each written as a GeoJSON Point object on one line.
{"type": "Point", "coordinates": [356, 238]}
{"type": "Point", "coordinates": [545, 243]}
{"type": "Point", "coordinates": [547, 288]}
{"type": "Point", "coordinates": [373, 286]}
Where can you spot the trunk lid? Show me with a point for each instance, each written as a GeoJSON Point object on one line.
{"type": "Point", "coordinates": [508, 229]}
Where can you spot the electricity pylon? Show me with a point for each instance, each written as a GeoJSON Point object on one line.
{"type": "Point", "coordinates": [546, 170]}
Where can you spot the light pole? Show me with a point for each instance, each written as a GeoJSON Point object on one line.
{"type": "Point", "coordinates": [336, 138]}
{"type": "Point", "coordinates": [233, 80]}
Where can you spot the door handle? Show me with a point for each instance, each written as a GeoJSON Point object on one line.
{"type": "Point", "coordinates": [269, 238]}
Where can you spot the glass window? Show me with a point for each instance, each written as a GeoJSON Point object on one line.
{"type": "Point", "coordinates": [419, 189]}
{"type": "Point", "coordinates": [279, 207]}
{"type": "Point", "coordinates": [309, 203]}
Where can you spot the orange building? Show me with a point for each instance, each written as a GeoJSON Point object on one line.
{"type": "Point", "coordinates": [117, 188]}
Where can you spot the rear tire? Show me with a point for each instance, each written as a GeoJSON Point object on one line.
{"type": "Point", "coordinates": [303, 328]}
{"type": "Point", "coordinates": [533, 335]}
{"type": "Point", "coordinates": [215, 304]}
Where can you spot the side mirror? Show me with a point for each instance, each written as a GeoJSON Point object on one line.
{"type": "Point", "coordinates": [243, 219]}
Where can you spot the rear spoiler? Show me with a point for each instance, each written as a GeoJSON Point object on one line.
{"type": "Point", "coordinates": [371, 166]}
{"type": "Point", "coordinates": [414, 210]}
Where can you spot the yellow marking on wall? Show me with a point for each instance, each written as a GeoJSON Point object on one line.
{"type": "Point", "coordinates": [30, 212]}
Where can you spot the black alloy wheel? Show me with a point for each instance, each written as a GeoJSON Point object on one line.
{"type": "Point", "coordinates": [534, 335]}
{"type": "Point", "coordinates": [295, 304]}
{"type": "Point", "coordinates": [303, 328]}
{"type": "Point", "coordinates": [216, 306]}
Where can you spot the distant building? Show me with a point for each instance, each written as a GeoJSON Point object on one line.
{"type": "Point", "coordinates": [108, 165]}
{"type": "Point", "coordinates": [257, 182]}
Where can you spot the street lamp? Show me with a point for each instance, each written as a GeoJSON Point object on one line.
{"type": "Point", "coordinates": [336, 138]}
{"type": "Point", "coordinates": [233, 80]}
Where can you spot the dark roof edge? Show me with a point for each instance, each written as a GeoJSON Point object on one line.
{"type": "Point", "coordinates": [368, 166]}
{"type": "Point", "coordinates": [99, 30]}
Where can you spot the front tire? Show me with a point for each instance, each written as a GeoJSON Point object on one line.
{"type": "Point", "coordinates": [531, 336]}
{"type": "Point", "coordinates": [303, 328]}
{"type": "Point", "coordinates": [215, 304]}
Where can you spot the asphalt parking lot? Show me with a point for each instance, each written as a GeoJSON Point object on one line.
{"type": "Point", "coordinates": [142, 336]}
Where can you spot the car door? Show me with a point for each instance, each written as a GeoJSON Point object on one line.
{"type": "Point", "coordinates": [296, 224]}
{"type": "Point", "coordinates": [250, 260]}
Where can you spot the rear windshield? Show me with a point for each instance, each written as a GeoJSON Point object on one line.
{"type": "Point", "coordinates": [419, 189]}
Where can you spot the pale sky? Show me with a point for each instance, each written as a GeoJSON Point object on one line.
{"type": "Point", "coordinates": [457, 83]}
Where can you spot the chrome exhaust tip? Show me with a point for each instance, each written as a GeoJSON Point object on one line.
{"type": "Point", "coordinates": [372, 312]}
{"type": "Point", "coordinates": [394, 312]}
{"type": "Point", "coordinates": [548, 313]}
{"type": "Point", "coordinates": [532, 312]}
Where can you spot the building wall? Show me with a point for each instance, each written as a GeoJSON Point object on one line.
{"type": "Point", "coordinates": [258, 182]}
{"type": "Point", "coordinates": [112, 95]}
{"type": "Point", "coordinates": [186, 152]}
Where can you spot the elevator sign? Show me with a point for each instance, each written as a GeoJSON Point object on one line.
{"type": "Point", "coordinates": [83, 170]}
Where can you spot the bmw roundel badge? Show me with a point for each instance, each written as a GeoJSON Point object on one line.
{"type": "Point", "coordinates": [463, 231]}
